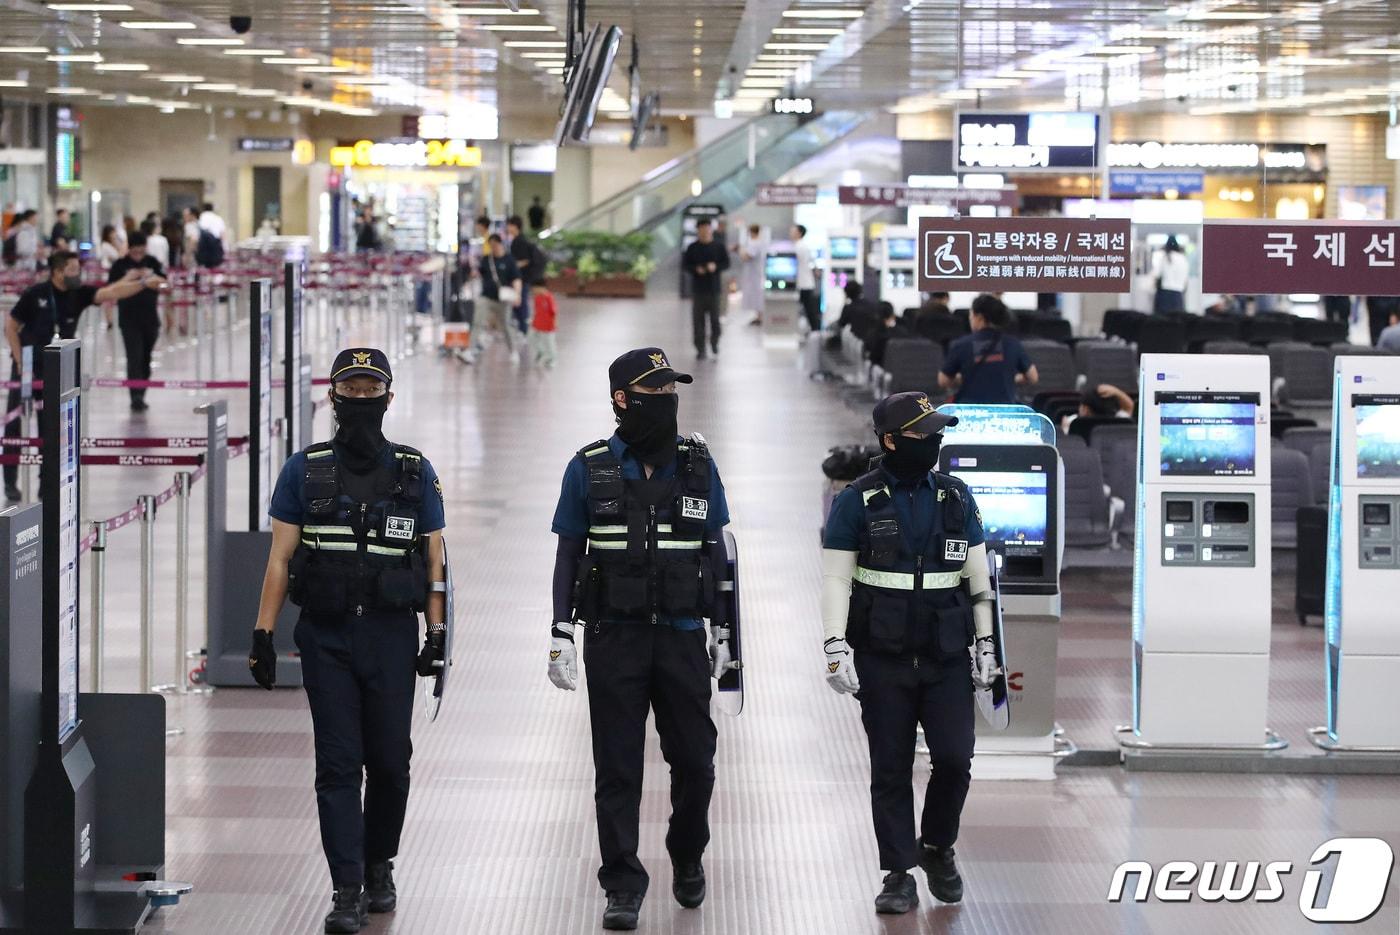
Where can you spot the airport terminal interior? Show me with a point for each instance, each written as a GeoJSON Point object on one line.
{"type": "Point", "coordinates": [1026, 558]}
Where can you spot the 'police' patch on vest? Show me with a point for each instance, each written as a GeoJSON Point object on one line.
{"type": "Point", "coordinates": [398, 527]}
{"type": "Point", "coordinates": [955, 550]}
{"type": "Point", "coordinates": [694, 508]}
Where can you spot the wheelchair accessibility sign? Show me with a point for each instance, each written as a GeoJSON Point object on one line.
{"type": "Point", "coordinates": [948, 254]}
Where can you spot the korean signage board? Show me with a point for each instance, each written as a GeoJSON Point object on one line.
{"type": "Point", "coordinates": [1026, 142]}
{"type": "Point", "coordinates": [265, 144]}
{"type": "Point", "coordinates": [1122, 182]}
{"type": "Point", "coordinates": [1024, 254]}
{"type": "Point", "coordinates": [905, 196]}
{"type": "Point", "coordinates": [1220, 158]}
{"type": "Point", "coordinates": [415, 154]}
{"type": "Point", "coordinates": [769, 194]}
{"type": "Point", "coordinates": [1250, 257]}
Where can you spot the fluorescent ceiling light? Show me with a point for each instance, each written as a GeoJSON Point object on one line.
{"type": "Point", "coordinates": [786, 57]}
{"type": "Point", "coordinates": [1307, 62]}
{"type": "Point", "coordinates": [541, 54]}
{"type": "Point", "coordinates": [964, 94]}
{"type": "Point", "coordinates": [70, 92]}
{"type": "Point", "coordinates": [807, 31]}
{"type": "Point", "coordinates": [291, 61]}
{"type": "Point", "coordinates": [757, 93]}
{"type": "Point", "coordinates": [13, 83]}
{"type": "Point", "coordinates": [1123, 50]}
{"type": "Point", "coordinates": [215, 86]}
{"type": "Point", "coordinates": [179, 79]}
{"type": "Point", "coordinates": [325, 69]}
{"type": "Point", "coordinates": [993, 82]}
{"type": "Point", "coordinates": [492, 11]}
{"type": "Point", "coordinates": [205, 41]}
{"type": "Point", "coordinates": [257, 92]}
{"type": "Point", "coordinates": [511, 27]}
{"type": "Point", "coordinates": [797, 46]}
{"type": "Point", "coordinates": [1226, 16]}
{"type": "Point", "coordinates": [157, 24]}
{"type": "Point", "coordinates": [764, 83]}
{"type": "Point", "coordinates": [823, 14]}
{"type": "Point", "coordinates": [550, 44]}
{"type": "Point", "coordinates": [91, 7]}
{"type": "Point", "coordinates": [121, 66]}
{"type": "Point", "coordinates": [24, 49]}
{"type": "Point", "coordinates": [252, 51]}
{"type": "Point", "coordinates": [367, 80]}
{"type": "Point", "coordinates": [137, 99]}
{"type": "Point", "coordinates": [1384, 50]}
{"type": "Point", "coordinates": [771, 72]}
{"type": "Point", "coordinates": [89, 57]}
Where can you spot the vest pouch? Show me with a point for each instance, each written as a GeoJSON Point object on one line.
{"type": "Point", "coordinates": [625, 590]}
{"type": "Point", "coordinates": [682, 589]}
{"type": "Point", "coordinates": [324, 590]}
{"type": "Point", "coordinates": [956, 629]}
{"type": "Point", "coordinates": [588, 591]}
{"type": "Point", "coordinates": [885, 543]}
{"type": "Point", "coordinates": [296, 575]}
{"type": "Point", "coordinates": [404, 588]}
{"type": "Point", "coordinates": [877, 621]}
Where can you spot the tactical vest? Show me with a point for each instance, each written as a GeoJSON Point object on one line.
{"type": "Point", "coordinates": [906, 597]}
{"type": "Point", "coordinates": [354, 555]}
{"type": "Point", "coordinates": [646, 553]}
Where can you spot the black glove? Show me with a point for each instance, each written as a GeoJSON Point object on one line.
{"type": "Point", "coordinates": [433, 654]}
{"type": "Point", "coordinates": [262, 661]}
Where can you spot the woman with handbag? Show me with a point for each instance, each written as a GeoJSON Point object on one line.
{"type": "Point", "coordinates": [500, 291]}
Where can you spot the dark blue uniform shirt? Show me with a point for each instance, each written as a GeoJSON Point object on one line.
{"type": "Point", "coordinates": [289, 507]}
{"type": "Point", "coordinates": [571, 515]}
{"type": "Point", "coordinates": [915, 503]}
{"type": "Point", "coordinates": [993, 381]}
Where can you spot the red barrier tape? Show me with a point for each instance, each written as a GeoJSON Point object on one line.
{"type": "Point", "coordinates": [118, 460]}
{"type": "Point", "coordinates": [191, 441]}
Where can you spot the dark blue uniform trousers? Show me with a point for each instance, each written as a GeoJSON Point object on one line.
{"type": "Point", "coordinates": [633, 667]}
{"type": "Point", "coordinates": [897, 694]}
{"type": "Point", "coordinates": [359, 678]}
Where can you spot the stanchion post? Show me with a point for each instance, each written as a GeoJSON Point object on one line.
{"type": "Point", "coordinates": [98, 589]}
{"type": "Point", "coordinates": [182, 577]}
{"type": "Point", "coordinates": [147, 505]}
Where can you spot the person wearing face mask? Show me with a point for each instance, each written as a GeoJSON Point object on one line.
{"type": "Point", "coordinates": [357, 543]}
{"type": "Point", "coordinates": [49, 308]}
{"type": "Point", "coordinates": [906, 597]}
{"type": "Point", "coordinates": [640, 523]}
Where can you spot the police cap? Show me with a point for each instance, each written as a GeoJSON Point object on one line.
{"type": "Point", "coordinates": [909, 412]}
{"type": "Point", "coordinates": [645, 366]}
{"type": "Point", "coordinates": [361, 362]}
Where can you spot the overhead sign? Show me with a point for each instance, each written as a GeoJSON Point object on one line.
{"type": "Point", "coordinates": [1250, 257]}
{"type": "Point", "coordinates": [429, 154]}
{"type": "Point", "coordinates": [769, 194]}
{"type": "Point", "coordinates": [905, 196]}
{"type": "Point", "coordinates": [1026, 142]}
{"type": "Point", "coordinates": [793, 105]}
{"type": "Point", "coordinates": [1156, 183]}
{"type": "Point", "coordinates": [265, 144]}
{"type": "Point", "coordinates": [534, 157]}
{"type": "Point", "coordinates": [1218, 157]}
{"type": "Point", "coordinates": [1023, 255]}
{"type": "Point", "coordinates": [470, 120]}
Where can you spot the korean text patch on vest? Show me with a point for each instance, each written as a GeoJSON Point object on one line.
{"type": "Point", "coordinates": [399, 527]}
{"type": "Point", "coordinates": [955, 550]}
{"type": "Point", "coordinates": [694, 508]}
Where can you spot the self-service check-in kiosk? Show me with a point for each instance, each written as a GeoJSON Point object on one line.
{"type": "Point", "coordinates": [898, 268]}
{"type": "Point", "coordinates": [1007, 458]}
{"type": "Point", "coordinates": [845, 260]}
{"type": "Point", "coordinates": [1363, 559]}
{"type": "Point", "coordinates": [1202, 596]}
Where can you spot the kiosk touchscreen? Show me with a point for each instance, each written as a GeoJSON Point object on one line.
{"type": "Point", "coordinates": [898, 268]}
{"type": "Point", "coordinates": [845, 261]}
{"type": "Point", "coordinates": [1363, 558]}
{"type": "Point", "coordinates": [1204, 525]}
{"type": "Point", "coordinates": [780, 272]}
{"type": "Point", "coordinates": [1007, 458]}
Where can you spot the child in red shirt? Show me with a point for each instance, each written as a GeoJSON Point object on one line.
{"type": "Point", "coordinates": [542, 326]}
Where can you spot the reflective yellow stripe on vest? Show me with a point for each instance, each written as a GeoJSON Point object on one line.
{"type": "Point", "coordinates": [320, 546]}
{"type": "Point", "coordinates": [327, 531]}
{"type": "Point", "coordinates": [899, 581]}
{"type": "Point", "coordinates": [618, 545]}
{"type": "Point", "coordinates": [678, 543]}
{"type": "Point", "coordinates": [385, 550]}
{"type": "Point", "coordinates": [607, 530]}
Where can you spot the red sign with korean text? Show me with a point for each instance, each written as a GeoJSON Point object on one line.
{"type": "Point", "coordinates": [1024, 255]}
{"type": "Point", "coordinates": [770, 194]}
{"type": "Point", "coordinates": [1253, 257]}
{"type": "Point", "coordinates": [905, 196]}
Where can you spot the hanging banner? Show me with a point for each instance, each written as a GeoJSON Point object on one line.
{"type": "Point", "coordinates": [1254, 257]}
{"type": "Point", "coordinates": [770, 194]}
{"type": "Point", "coordinates": [905, 196]}
{"type": "Point", "coordinates": [1024, 254]}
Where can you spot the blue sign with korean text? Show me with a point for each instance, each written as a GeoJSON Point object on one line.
{"type": "Point", "coordinates": [1156, 183]}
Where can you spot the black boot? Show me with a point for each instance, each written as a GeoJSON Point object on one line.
{"type": "Point", "coordinates": [379, 886]}
{"type": "Point", "coordinates": [943, 880]}
{"type": "Point", "coordinates": [688, 883]}
{"type": "Point", "coordinates": [899, 895]}
{"type": "Point", "coordinates": [623, 906]}
{"type": "Point", "coordinates": [349, 911]}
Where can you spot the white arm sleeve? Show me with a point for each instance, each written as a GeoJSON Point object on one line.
{"type": "Point", "coordinates": [838, 566]}
{"type": "Point", "coordinates": [980, 587]}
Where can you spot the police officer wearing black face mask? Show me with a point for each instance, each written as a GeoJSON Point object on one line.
{"type": "Point", "coordinates": [905, 586]}
{"type": "Point", "coordinates": [357, 543]}
{"type": "Point", "coordinates": [640, 520]}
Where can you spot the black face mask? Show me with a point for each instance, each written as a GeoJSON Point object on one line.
{"type": "Point", "coordinates": [648, 426]}
{"type": "Point", "coordinates": [913, 457]}
{"type": "Point", "coordinates": [359, 434]}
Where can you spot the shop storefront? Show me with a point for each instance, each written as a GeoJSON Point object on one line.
{"type": "Point", "coordinates": [1233, 180]}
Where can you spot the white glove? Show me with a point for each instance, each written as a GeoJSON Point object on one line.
{"type": "Point", "coordinates": [563, 657]}
{"type": "Point", "coordinates": [984, 662]}
{"type": "Point", "coordinates": [720, 656]}
{"type": "Point", "coordinates": [840, 668]}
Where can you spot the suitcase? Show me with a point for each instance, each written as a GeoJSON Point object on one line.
{"type": "Point", "coordinates": [1310, 595]}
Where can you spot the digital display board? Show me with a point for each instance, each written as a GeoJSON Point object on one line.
{"type": "Point", "coordinates": [68, 448]}
{"type": "Point", "coordinates": [1377, 437]}
{"type": "Point", "coordinates": [1026, 142]}
{"type": "Point", "coordinates": [844, 248]}
{"type": "Point", "coordinates": [1207, 434]}
{"type": "Point", "coordinates": [780, 267]}
{"type": "Point", "coordinates": [1013, 505]}
{"type": "Point", "coordinates": [901, 248]}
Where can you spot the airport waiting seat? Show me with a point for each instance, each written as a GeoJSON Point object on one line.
{"type": "Point", "coordinates": [1117, 445]}
{"type": "Point", "coordinates": [1201, 329]}
{"type": "Point", "coordinates": [1114, 364]}
{"type": "Point", "coordinates": [1086, 503]}
{"type": "Point", "coordinates": [1266, 329]}
{"type": "Point", "coordinates": [1279, 424]}
{"type": "Point", "coordinates": [1320, 469]}
{"type": "Point", "coordinates": [1162, 335]}
{"type": "Point", "coordinates": [911, 364]}
{"type": "Point", "coordinates": [1305, 439]}
{"type": "Point", "coordinates": [1291, 489]}
{"type": "Point", "coordinates": [1276, 350]}
{"type": "Point", "coordinates": [1231, 347]}
{"type": "Point", "coordinates": [1047, 328]}
{"type": "Point", "coordinates": [1320, 332]}
{"type": "Point", "coordinates": [941, 329]}
{"type": "Point", "coordinates": [1086, 426]}
{"type": "Point", "coordinates": [1054, 363]}
{"type": "Point", "coordinates": [1342, 348]}
{"type": "Point", "coordinates": [1306, 372]}
{"type": "Point", "coordinates": [1122, 323]}
{"type": "Point", "coordinates": [1082, 348]}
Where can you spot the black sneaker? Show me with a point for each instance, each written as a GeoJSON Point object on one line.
{"type": "Point", "coordinates": [688, 883]}
{"type": "Point", "coordinates": [943, 880]}
{"type": "Point", "coordinates": [139, 407]}
{"type": "Point", "coordinates": [12, 494]}
{"type": "Point", "coordinates": [379, 886]}
{"type": "Point", "coordinates": [349, 911]}
{"type": "Point", "coordinates": [621, 914]}
{"type": "Point", "coordinates": [899, 894]}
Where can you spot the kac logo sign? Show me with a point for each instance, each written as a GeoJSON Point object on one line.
{"type": "Point", "coordinates": [1360, 877]}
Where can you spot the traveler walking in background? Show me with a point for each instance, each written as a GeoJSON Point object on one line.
{"type": "Point", "coordinates": [536, 215]}
{"type": "Point", "coordinates": [500, 291]}
{"type": "Point", "coordinates": [157, 246]}
{"type": "Point", "coordinates": [21, 247]}
{"type": "Point", "coordinates": [1379, 309]}
{"type": "Point", "coordinates": [1171, 271]}
{"type": "Point", "coordinates": [60, 231]}
{"type": "Point", "coordinates": [530, 262]}
{"type": "Point", "coordinates": [753, 257]}
{"type": "Point", "coordinates": [138, 316]}
{"type": "Point", "coordinates": [705, 260]}
{"type": "Point", "coordinates": [807, 295]}
{"type": "Point", "coordinates": [543, 325]}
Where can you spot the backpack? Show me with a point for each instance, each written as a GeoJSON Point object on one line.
{"type": "Point", "coordinates": [208, 250]}
{"type": "Point", "coordinates": [10, 252]}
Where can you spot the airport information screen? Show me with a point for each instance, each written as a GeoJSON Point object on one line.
{"type": "Point", "coordinates": [1207, 434]}
{"type": "Point", "coordinates": [901, 248]}
{"type": "Point", "coordinates": [843, 248]}
{"type": "Point", "coordinates": [780, 266]}
{"type": "Point", "coordinates": [1013, 506]}
{"type": "Point", "coordinates": [1377, 436]}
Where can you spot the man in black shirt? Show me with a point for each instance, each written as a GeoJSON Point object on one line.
{"type": "Point", "coordinates": [137, 315]}
{"type": "Point", "coordinates": [60, 229]}
{"type": "Point", "coordinates": [43, 309]}
{"type": "Point", "coordinates": [522, 251]}
{"type": "Point", "coordinates": [536, 213]}
{"type": "Point", "coordinates": [705, 260]}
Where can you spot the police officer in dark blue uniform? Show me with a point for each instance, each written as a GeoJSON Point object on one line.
{"type": "Point", "coordinates": [357, 543]}
{"type": "Point", "coordinates": [906, 587]}
{"type": "Point", "coordinates": [640, 520]}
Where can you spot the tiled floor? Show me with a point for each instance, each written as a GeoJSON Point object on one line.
{"type": "Point", "coordinates": [500, 836]}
